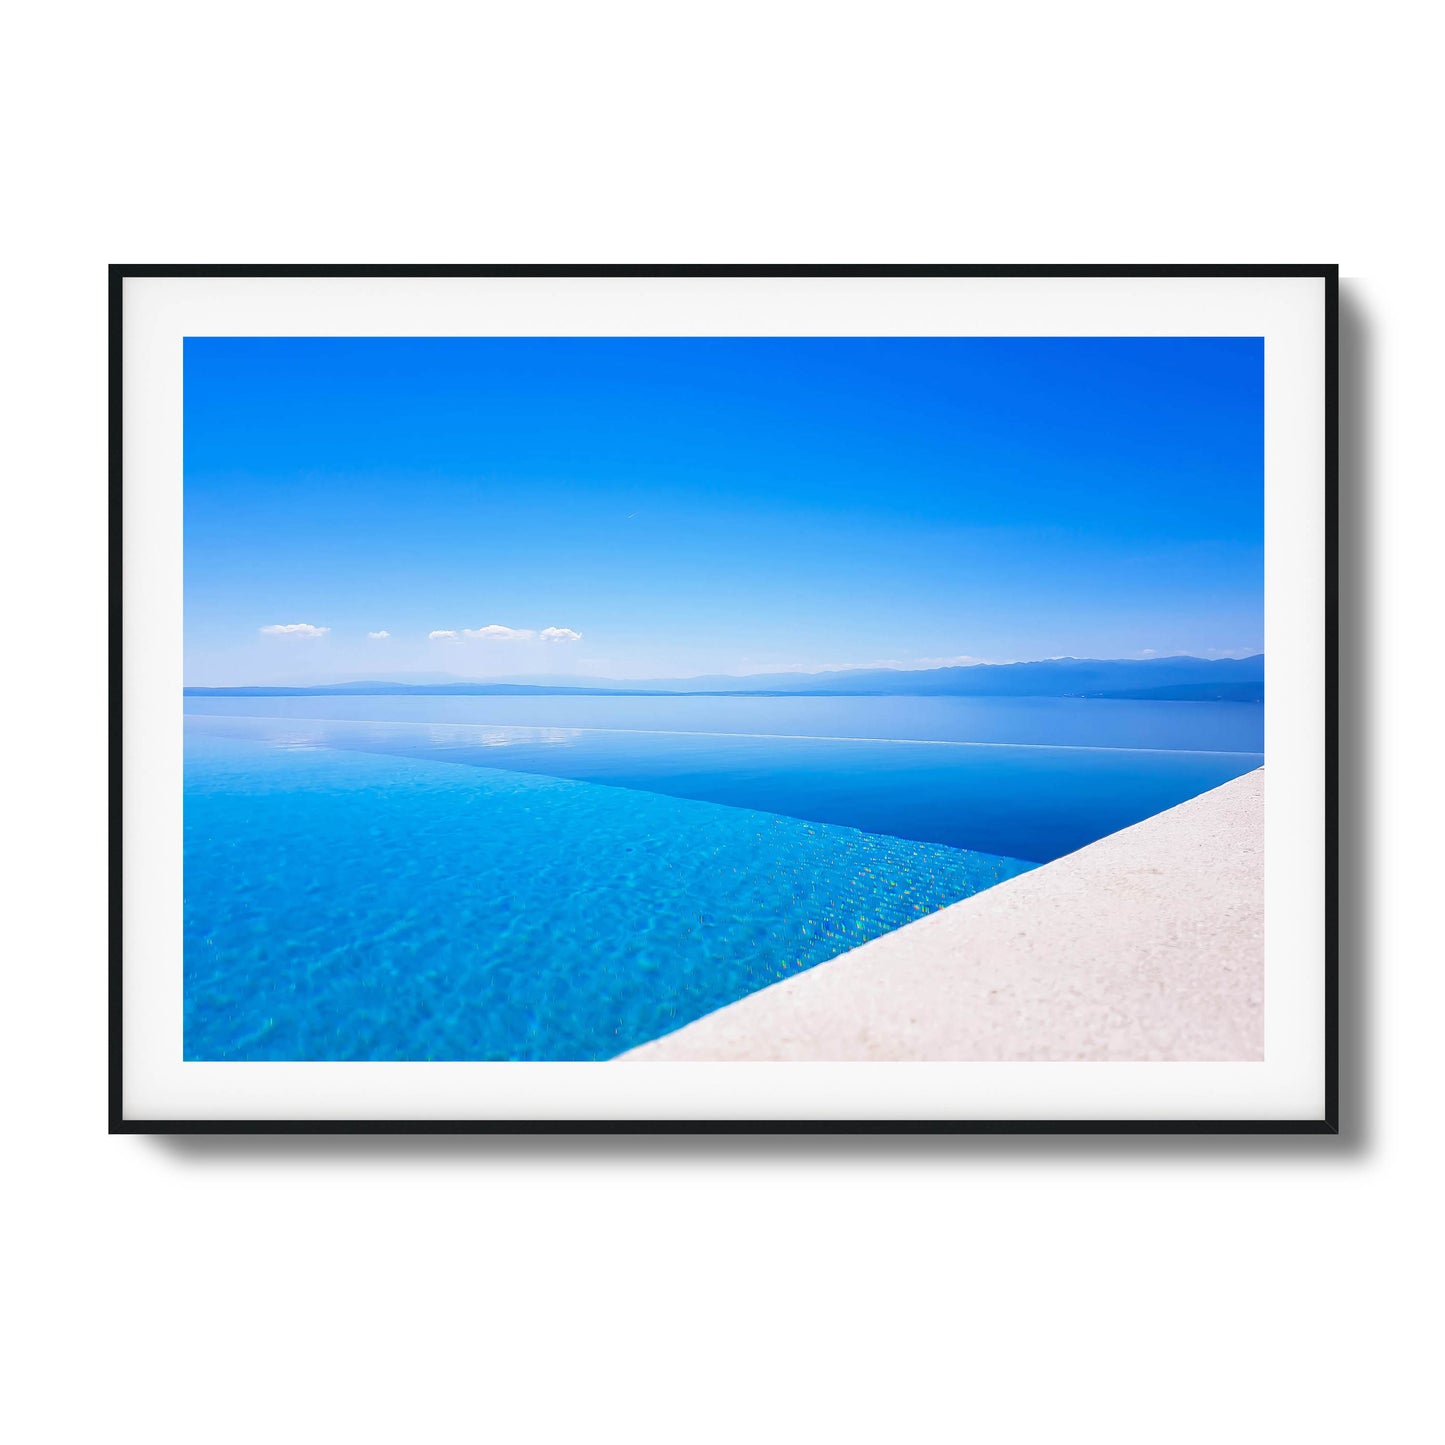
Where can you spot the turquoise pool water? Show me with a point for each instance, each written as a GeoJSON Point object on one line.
{"type": "Point", "coordinates": [342, 903]}
{"type": "Point", "coordinates": [423, 878]}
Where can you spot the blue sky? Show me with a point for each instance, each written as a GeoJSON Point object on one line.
{"type": "Point", "coordinates": [667, 507]}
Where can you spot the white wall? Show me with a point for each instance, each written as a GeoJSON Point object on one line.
{"type": "Point", "coordinates": [1000, 1290]}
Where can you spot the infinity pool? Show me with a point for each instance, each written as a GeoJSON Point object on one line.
{"type": "Point", "coordinates": [410, 886]}
{"type": "Point", "coordinates": [345, 904]}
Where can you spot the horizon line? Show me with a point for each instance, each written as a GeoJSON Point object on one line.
{"type": "Point", "coordinates": [598, 680]}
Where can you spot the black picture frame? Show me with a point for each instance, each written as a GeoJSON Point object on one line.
{"type": "Point", "coordinates": [1328, 1123]}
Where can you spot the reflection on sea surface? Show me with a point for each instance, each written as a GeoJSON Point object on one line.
{"type": "Point", "coordinates": [1034, 802]}
{"type": "Point", "coordinates": [1057, 721]}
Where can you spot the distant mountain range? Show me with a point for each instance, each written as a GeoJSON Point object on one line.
{"type": "Point", "coordinates": [1181, 679]}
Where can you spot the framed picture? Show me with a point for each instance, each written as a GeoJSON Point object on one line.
{"type": "Point", "coordinates": [723, 698]}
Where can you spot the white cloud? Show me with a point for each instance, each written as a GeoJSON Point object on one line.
{"type": "Point", "coordinates": [378, 636]}
{"type": "Point", "coordinates": [294, 629]}
{"type": "Point", "coordinates": [495, 632]}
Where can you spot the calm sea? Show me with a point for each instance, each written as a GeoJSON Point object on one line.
{"type": "Point", "coordinates": [561, 878]}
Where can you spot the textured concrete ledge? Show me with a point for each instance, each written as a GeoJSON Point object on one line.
{"type": "Point", "coordinates": [1147, 945]}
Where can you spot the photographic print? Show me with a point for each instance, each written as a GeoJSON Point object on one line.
{"type": "Point", "coordinates": [626, 700]}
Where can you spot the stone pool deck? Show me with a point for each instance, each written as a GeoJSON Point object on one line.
{"type": "Point", "coordinates": [1145, 946]}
